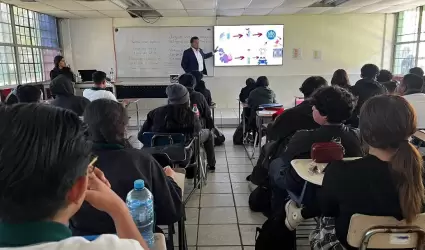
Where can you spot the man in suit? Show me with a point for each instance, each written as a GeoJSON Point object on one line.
{"type": "Point", "coordinates": [193, 58]}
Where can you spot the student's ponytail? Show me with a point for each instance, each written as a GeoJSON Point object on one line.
{"type": "Point", "coordinates": [406, 166]}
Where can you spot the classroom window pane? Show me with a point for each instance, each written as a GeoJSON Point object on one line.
{"type": "Point", "coordinates": [404, 58]}
{"type": "Point", "coordinates": [7, 66]}
{"type": "Point", "coordinates": [407, 26]}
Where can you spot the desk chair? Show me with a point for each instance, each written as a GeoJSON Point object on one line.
{"type": "Point", "coordinates": [385, 232]}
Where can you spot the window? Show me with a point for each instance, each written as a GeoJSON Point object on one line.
{"type": "Point", "coordinates": [28, 43]}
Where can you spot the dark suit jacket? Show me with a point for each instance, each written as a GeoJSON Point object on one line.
{"type": "Point", "coordinates": [190, 63]}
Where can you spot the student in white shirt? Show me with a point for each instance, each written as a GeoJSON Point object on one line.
{"type": "Point", "coordinates": [412, 87]}
{"type": "Point", "coordinates": [44, 179]}
{"type": "Point", "coordinates": [98, 91]}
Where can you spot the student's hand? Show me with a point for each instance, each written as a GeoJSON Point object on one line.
{"type": "Point", "coordinates": [169, 172]}
{"type": "Point", "coordinates": [99, 174]}
{"type": "Point", "coordinates": [103, 198]}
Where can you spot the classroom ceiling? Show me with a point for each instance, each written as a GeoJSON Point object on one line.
{"type": "Point", "coordinates": [208, 8]}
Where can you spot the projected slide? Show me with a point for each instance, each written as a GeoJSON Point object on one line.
{"type": "Point", "coordinates": [248, 45]}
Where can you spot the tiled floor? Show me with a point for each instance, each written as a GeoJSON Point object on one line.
{"type": "Point", "coordinates": [218, 216]}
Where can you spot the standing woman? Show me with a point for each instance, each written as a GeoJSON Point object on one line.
{"type": "Point", "coordinates": [61, 69]}
{"type": "Point", "coordinates": [340, 79]}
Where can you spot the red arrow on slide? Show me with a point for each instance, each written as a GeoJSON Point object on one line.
{"type": "Point", "coordinates": [238, 35]}
{"type": "Point", "coordinates": [256, 57]}
{"type": "Point", "coordinates": [258, 34]}
{"type": "Point", "coordinates": [240, 57]}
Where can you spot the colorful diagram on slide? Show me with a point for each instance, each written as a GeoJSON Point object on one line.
{"type": "Point", "coordinates": [248, 45]}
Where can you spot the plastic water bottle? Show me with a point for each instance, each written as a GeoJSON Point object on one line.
{"type": "Point", "coordinates": [112, 75]}
{"type": "Point", "coordinates": [140, 203]}
{"type": "Point", "coordinates": [195, 110]}
{"type": "Point", "coordinates": [79, 78]}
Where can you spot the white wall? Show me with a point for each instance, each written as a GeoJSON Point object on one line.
{"type": "Point", "coordinates": [346, 41]}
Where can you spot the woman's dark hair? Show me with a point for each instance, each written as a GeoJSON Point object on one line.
{"type": "Point", "coordinates": [340, 78]}
{"type": "Point", "coordinates": [180, 118]}
{"type": "Point", "coordinates": [384, 76]}
{"type": "Point", "coordinates": [43, 151]}
{"type": "Point", "coordinates": [262, 81]}
{"type": "Point", "coordinates": [393, 134]}
{"type": "Point", "coordinates": [107, 121]}
{"type": "Point", "coordinates": [336, 103]}
{"type": "Point", "coordinates": [200, 86]}
{"type": "Point", "coordinates": [311, 84]}
{"type": "Point", "coordinates": [250, 82]}
{"type": "Point", "coordinates": [57, 60]}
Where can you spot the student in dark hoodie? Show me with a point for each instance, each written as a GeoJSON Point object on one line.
{"type": "Point", "coordinates": [298, 117]}
{"type": "Point", "coordinates": [364, 89]}
{"type": "Point", "coordinates": [24, 94]}
{"type": "Point", "coordinates": [178, 117]}
{"type": "Point", "coordinates": [189, 81]}
{"type": "Point", "coordinates": [201, 88]}
{"type": "Point", "coordinates": [107, 121]}
{"type": "Point", "coordinates": [385, 78]}
{"type": "Point", "coordinates": [61, 69]}
{"type": "Point", "coordinates": [245, 91]}
{"type": "Point", "coordinates": [63, 91]}
{"type": "Point", "coordinates": [262, 94]}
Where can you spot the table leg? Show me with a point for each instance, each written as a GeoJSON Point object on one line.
{"type": "Point", "coordinates": [137, 114]}
{"type": "Point", "coordinates": [239, 113]}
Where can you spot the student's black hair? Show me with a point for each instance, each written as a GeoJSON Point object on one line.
{"type": "Point", "coordinates": [262, 81]}
{"type": "Point", "coordinates": [98, 77]}
{"type": "Point", "coordinates": [107, 121]}
{"type": "Point", "coordinates": [391, 86]}
{"type": "Point", "coordinates": [57, 60]}
{"type": "Point", "coordinates": [311, 84]}
{"type": "Point", "coordinates": [384, 76]}
{"type": "Point", "coordinates": [43, 151]}
{"type": "Point", "coordinates": [198, 75]}
{"type": "Point", "coordinates": [187, 80]}
{"type": "Point", "coordinates": [340, 78]}
{"type": "Point", "coordinates": [193, 39]}
{"type": "Point", "coordinates": [413, 82]}
{"type": "Point", "coordinates": [417, 71]}
{"type": "Point", "coordinates": [200, 86]}
{"type": "Point", "coordinates": [250, 82]}
{"type": "Point", "coordinates": [28, 93]}
{"type": "Point", "coordinates": [336, 103]}
{"type": "Point", "coordinates": [369, 71]}
{"type": "Point", "coordinates": [180, 118]}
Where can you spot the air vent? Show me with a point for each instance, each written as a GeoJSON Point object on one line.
{"type": "Point", "coordinates": [328, 3]}
{"type": "Point", "coordinates": [144, 13]}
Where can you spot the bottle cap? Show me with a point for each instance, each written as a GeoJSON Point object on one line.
{"type": "Point", "coordinates": [139, 184]}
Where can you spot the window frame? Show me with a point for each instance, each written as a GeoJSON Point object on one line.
{"type": "Point", "coordinates": [35, 46]}
{"type": "Point", "coordinates": [416, 42]}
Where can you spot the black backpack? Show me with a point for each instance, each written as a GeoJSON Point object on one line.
{"type": "Point", "coordinates": [238, 135]}
{"type": "Point", "coordinates": [273, 234]}
{"type": "Point", "coordinates": [260, 200]}
{"type": "Point", "coordinates": [219, 137]}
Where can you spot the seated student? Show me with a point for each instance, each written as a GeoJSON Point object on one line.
{"type": "Point", "coordinates": [340, 79]}
{"type": "Point", "coordinates": [98, 91]}
{"type": "Point", "coordinates": [331, 107]}
{"type": "Point", "coordinates": [387, 181]}
{"type": "Point", "coordinates": [189, 81]}
{"type": "Point", "coordinates": [178, 117]}
{"type": "Point", "coordinates": [122, 165]}
{"type": "Point", "coordinates": [385, 77]}
{"type": "Point", "coordinates": [44, 179]}
{"type": "Point", "coordinates": [364, 89]}
{"type": "Point", "coordinates": [262, 94]}
{"type": "Point", "coordinates": [12, 97]}
{"type": "Point", "coordinates": [417, 71]}
{"type": "Point", "coordinates": [298, 117]}
{"type": "Point", "coordinates": [24, 94]}
{"type": "Point", "coordinates": [412, 87]}
{"type": "Point", "coordinates": [245, 91]}
{"type": "Point", "coordinates": [201, 88]}
{"type": "Point", "coordinates": [63, 91]}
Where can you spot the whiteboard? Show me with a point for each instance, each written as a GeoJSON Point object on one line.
{"type": "Point", "coordinates": [157, 52]}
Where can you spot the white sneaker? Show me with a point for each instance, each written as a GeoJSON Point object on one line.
{"type": "Point", "coordinates": [293, 215]}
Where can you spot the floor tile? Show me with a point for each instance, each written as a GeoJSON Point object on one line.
{"type": "Point", "coordinates": [212, 235]}
{"type": "Point", "coordinates": [241, 200]}
{"type": "Point", "coordinates": [240, 168]}
{"type": "Point", "coordinates": [217, 215]}
{"type": "Point", "coordinates": [220, 248]}
{"type": "Point", "coordinates": [218, 177]}
{"type": "Point", "coordinates": [240, 188]}
{"type": "Point", "coordinates": [246, 216]}
{"type": "Point", "coordinates": [191, 233]}
{"type": "Point", "coordinates": [217, 200]}
{"type": "Point", "coordinates": [189, 248]}
{"type": "Point", "coordinates": [238, 161]}
{"type": "Point", "coordinates": [248, 234]}
{"type": "Point", "coordinates": [220, 154]}
{"type": "Point", "coordinates": [236, 154]}
{"type": "Point", "coordinates": [219, 149]}
{"type": "Point", "coordinates": [239, 177]}
{"type": "Point", "coordinates": [250, 248]}
{"type": "Point", "coordinates": [192, 216]}
{"type": "Point", "coordinates": [221, 161]}
{"type": "Point", "coordinates": [217, 188]}
{"type": "Point", "coordinates": [194, 201]}
{"type": "Point", "coordinates": [221, 168]}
